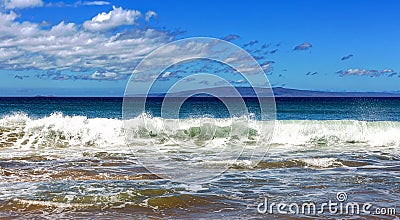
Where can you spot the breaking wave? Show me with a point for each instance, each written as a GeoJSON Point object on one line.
{"type": "Point", "coordinates": [58, 131]}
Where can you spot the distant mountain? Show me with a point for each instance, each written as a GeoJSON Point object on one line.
{"type": "Point", "coordinates": [285, 92]}
{"type": "Point", "coordinates": [278, 92]}
{"type": "Point", "coordinates": [45, 96]}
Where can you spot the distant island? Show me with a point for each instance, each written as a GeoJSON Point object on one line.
{"type": "Point", "coordinates": [285, 92]}
{"type": "Point", "coordinates": [45, 96]}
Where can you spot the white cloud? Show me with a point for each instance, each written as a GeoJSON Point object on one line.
{"type": "Point", "coordinates": [367, 72]}
{"type": "Point", "coordinates": [68, 47]}
{"type": "Point", "coordinates": [166, 74]}
{"type": "Point", "coordinates": [63, 29]}
{"type": "Point", "coordinates": [7, 18]}
{"type": "Point", "coordinates": [149, 15]}
{"type": "Point", "coordinates": [113, 19]}
{"type": "Point", "coordinates": [61, 4]}
{"type": "Point", "coordinates": [96, 3]}
{"type": "Point", "coordinates": [102, 76]}
{"type": "Point", "coordinates": [71, 51]}
{"type": "Point", "coordinates": [387, 70]}
{"type": "Point", "coordinates": [12, 4]}
{"type": "Point", "coordinates": [303, 46]}
{"type": "Point", "coordinates": [358, 72]}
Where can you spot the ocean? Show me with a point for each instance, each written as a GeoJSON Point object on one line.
{"type": "Point", "coordinates": [69, 158]}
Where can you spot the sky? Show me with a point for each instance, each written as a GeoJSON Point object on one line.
{"type": "Point", "coordinates": [90, 48]}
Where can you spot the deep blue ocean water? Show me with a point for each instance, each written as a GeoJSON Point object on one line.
{"type": "Point", "coordinates": [368, 109]}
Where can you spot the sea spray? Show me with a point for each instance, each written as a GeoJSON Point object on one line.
{"type": "Point", "coordinates": [58, 130]}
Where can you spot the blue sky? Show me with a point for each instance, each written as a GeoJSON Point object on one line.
{"type": "Point", "coordinates": [89, 48]}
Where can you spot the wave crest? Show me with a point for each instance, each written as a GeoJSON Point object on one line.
{"type": "Point", "coordinates": [58, 130]}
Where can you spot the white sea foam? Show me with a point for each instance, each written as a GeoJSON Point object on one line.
{"type": "Point", "coordinates": [334, 132]}
{"type": "Point", "coordinates": [57, 130]}
{"type": "Point", "coordinates": [321, 162]}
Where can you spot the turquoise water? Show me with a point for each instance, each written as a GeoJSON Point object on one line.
{"type": "Point", "coordinates": [364, 109]}
{"type": "Point", "coordinates": [68, 157]}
